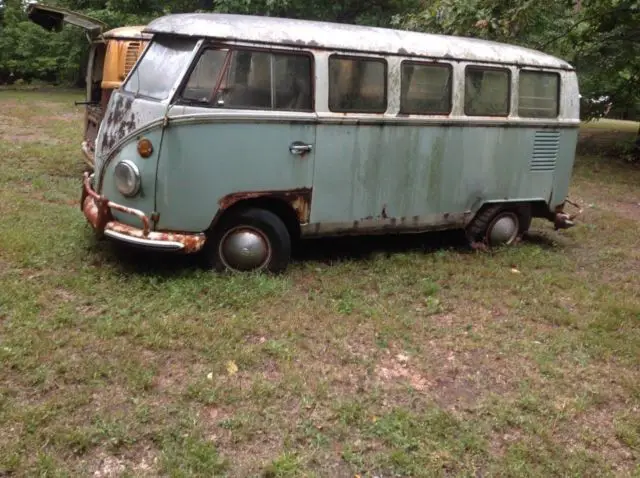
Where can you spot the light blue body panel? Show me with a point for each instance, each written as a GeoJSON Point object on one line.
{"type": "Point", "coordinates": [145, 199]}
{"type": "Point", "coordinates": [564, 165]}
{"type": "Point", "coordinates": [356, 172]}
{"type": "Point", "coordinates": [202, 162]}
{"type": "Point", "coordinates": [371, 171]}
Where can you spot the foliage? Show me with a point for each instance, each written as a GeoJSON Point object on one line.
{"type": "Point", "coordinates": [27, 52]}
{"type": "Point", "coordinates": [608, 52]}
{"type": "Point", "coordinates": [600, 37]}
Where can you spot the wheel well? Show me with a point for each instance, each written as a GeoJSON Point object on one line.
{"type": "Point", "coordinates": [279, 207]}
{"type": "Point", "coordinates": [526, 210]}
{"type": "Point", "coordinates": [536, 208]}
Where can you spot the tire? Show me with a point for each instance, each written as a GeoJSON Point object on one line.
{"type": "Point", "coordinates": [249, 240]}
{"type": "Point", "coordinates": [480, 228]}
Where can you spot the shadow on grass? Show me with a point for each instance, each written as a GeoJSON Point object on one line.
{"type": "Point", "coordinates": [326, 250]}
{"type": "Point", "coordinates": [131, 260]}
{"type": "Point", "coordinates": [544, 240]}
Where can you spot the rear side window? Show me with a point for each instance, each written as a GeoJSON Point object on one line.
{"type": "Point", "coordinates": [357, 85]}
{"type": "Point", "coordinates": [426, 89]}
{"type": "Point", "coordinates": [486, 91]}
{"type": "Point", "coordinates": [244, 79]}
{"type": "Point", "coordinates": [538, 94]}
{"type": "Point", "coordinates": [158, 70]}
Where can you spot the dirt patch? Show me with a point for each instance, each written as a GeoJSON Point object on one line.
{"type": "Point", "coordinates": [500, 442]}
{"type": "Point", "coordinates": [398, 369]}
{"type": "Point", "coordinates": [251, 458]}
{"type": "Point", "coordinates": [628, 209]}
{"type": "Point", "coordinates": [177, 374]}
{"type": "Point", "coordinates": [595, 430]}
{"type": "Point", "coordinates": [456, 380]}
{"type": "Point", "coordinates": [142, 463]}
{"type": "Point", "coordinates": [61, 117]}
{"type": "Point", "coordinates": [14, 131]}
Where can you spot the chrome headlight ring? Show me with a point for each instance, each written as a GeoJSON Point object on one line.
{"type": "Point", "coordinates": [127, 178]}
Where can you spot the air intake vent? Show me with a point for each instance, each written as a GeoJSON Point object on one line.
{"type": "Point", "coordinates": [132, 56]}
{"type": "Point", "coordinates": [545, 150]}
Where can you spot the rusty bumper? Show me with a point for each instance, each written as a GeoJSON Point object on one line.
{"type": "Point", "coordinates": [97, 210]}
{"type": "Point", "coordinates": [564, 220]}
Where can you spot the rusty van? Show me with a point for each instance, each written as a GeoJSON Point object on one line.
{"type": "Point", "coordinates": [112, 54]}
{"type": "Point", "coordinates": [236, 135]}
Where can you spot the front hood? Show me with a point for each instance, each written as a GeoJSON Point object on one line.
{"type": "Point", "coordinates": [53, 18]}
{"type": "Point", "coordinates": [124, 115]}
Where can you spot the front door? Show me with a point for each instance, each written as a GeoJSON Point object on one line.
{"type": "Point", "coordinates": [243, 124]}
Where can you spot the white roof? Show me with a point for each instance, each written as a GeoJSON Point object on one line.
{"type": "Point", "coordinates": [355, 38]}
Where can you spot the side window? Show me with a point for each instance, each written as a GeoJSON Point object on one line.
{"type": "Point", "coordinates": [538, 94]}
{"type": "Point", "coordinates": [292, 82]}
{"type": "Point", "coordinates": [357, 85]}
{"type": "Point", "coordinates": [486, 91]}
{"type": "Point", "coordinates": [245, 79]}
{"type": "Point", "coordinates": [426, 89]}
{"type": "Point", "coordinates": [202, 80]}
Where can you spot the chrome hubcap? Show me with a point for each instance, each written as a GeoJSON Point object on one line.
{"type": "Point", "coordinates": [244, 248]}
{"type": "Point", "coordinates": [503, 229]}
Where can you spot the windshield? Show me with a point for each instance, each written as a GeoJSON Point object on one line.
{"type": "Point", "coordinates": [159, 68]}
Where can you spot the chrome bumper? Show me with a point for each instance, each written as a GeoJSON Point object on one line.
{"type": "Point", "coordinates": [97, 210]}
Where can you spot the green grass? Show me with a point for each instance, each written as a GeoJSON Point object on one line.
{"type": "Point", "coordinates": [374, 357]}
{"type": "Point", "coordinates": [610, 125]}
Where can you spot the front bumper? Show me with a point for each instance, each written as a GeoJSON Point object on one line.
{"type": "Point", "coordinates": [97, 210]}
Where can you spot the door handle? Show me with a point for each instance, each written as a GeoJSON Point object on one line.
{"type": "Point", "coordinates": [300, 148]}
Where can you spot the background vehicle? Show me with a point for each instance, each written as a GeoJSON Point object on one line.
{"type": "Point", "coordinates": [112, 55]}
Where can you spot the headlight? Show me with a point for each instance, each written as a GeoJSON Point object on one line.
{"type": "Point", "coordinates": [127, 178]}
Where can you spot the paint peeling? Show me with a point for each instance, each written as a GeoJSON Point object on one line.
{"type": "Point", "coordinates": [298, 199]}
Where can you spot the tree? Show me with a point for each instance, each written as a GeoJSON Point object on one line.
{"type": "Point", "coordinates": [607, 52]}
{"type": "Point", "coordinates": [528, 22]}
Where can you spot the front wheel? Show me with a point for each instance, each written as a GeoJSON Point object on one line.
{"type": "Point", "coordinates": [250, 240]}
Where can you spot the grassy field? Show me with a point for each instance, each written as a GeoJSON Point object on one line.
{"type": "Point", "coordinates": [398, 357]}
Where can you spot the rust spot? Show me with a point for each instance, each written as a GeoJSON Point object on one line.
{"type": "Point", "coordinates": [298, 199]}
{"type": "Point", "coordinates": [191, 242]}
{"type": "Point", "coordinates": [97, 210]}
{"type": "Point", "coordinates": [120, 122]}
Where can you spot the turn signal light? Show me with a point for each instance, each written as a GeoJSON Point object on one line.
{"type": "Point", "coordinates": [145, 148]}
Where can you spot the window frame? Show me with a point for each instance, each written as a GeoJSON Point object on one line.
{"type": "Point", "coordinates": [385, 64]}
{"type": "Point", "coordinates": [558, 93]}
{"type": "Point", "coordinates": [180, 100]}
{"type": "Point", "coordinates": [435, 64]}
{"type": "Point", "coordinates": [173, 90]}
{"type": "Point", "coordinates": [509, 90]}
